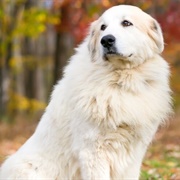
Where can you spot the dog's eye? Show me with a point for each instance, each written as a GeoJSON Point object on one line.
{"type": "Point", "coordinates": [103, 27]}
{"type": "Point", "coordinates": [126, 23]}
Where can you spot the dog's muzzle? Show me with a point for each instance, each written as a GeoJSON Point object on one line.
{"type": "Point", "coordinates": [108, 43]}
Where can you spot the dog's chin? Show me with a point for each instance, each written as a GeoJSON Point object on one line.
{"type": "Point", "coordinates": [119, 61]}
{"type": "Point", "coordinates": [116, 56]}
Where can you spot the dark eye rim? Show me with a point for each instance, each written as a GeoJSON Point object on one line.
{"type": "Point", "coordinates": [126, 23]}
{"type": "Point", "coordinates": [103, 27]}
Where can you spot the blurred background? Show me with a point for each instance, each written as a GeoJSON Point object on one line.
{"type": "Point", "coordinates": [37, 37]}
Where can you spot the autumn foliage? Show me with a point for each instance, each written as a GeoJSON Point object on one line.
{"type": "Point", "coordinates": [27, 54]}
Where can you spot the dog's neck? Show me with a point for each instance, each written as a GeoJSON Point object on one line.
{"type": "Point", "coordinates": [120, 64]}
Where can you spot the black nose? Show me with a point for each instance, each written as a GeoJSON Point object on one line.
{"type": "Point", "coordinates": [108, 41]}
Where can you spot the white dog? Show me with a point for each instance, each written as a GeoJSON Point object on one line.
{"type": "Point", "coordinates": [105, 111]}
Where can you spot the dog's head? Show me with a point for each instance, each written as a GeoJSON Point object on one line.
{"type": "Point", "coordinates": [125, 35]}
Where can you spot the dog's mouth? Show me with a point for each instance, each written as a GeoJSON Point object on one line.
{"type": "Point", "coordinates": [113, 54]}
{"type": "Point", "coordinates": [110, 50]}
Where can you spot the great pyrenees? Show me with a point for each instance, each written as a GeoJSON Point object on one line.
{"type": "Point", "coordinates": [106, 109]}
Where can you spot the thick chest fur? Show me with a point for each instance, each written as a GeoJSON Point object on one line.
{"type": "Point", "coordinates": [122, 98]}
{"type": "Point", "coordinates": [120, 113]}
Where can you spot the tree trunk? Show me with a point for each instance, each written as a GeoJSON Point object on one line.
{"type": "Point", "coordinates": [1, 90]}
{"type": "Point", "coordinates": [63, 50]}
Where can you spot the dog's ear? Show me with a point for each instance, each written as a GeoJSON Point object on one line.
{"type": "Point", "coordinates": [156, 35]}
{"type": "Point", "coordinates": [93, 40]}
{"type": "Point", "coordinates": [93, 27]}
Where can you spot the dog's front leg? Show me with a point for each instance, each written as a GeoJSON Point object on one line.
{"type": "Point", "coordinates": [94, 165]}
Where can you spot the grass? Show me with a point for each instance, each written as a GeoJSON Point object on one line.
{"type": "Point", "coordinates": [166, 168]}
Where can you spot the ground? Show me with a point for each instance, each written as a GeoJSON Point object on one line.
{"type": "Point", "coordinates": [162, 161]}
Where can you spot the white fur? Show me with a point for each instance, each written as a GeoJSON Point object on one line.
{"type": "Point", "coordinates": [103, 113]}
